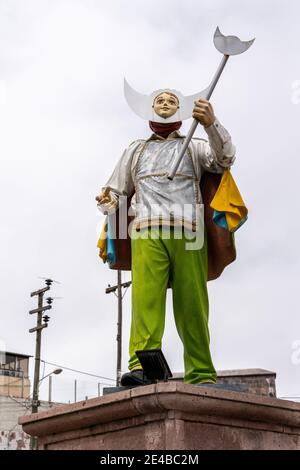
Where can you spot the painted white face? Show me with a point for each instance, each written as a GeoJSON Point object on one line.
{"type": "Point", "coordinates": [165, 105]}
{"type": "Point", "coordinates": [143, 105]}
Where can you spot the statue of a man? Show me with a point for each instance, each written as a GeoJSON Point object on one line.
{"type": "Point", "coordinates": [162, 227]}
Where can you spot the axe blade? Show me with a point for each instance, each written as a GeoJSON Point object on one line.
{"type": "Point", "coordinates": [230, 45]}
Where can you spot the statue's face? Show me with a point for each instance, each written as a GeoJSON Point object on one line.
{"type": "Point", "coordinates": [165, 105]}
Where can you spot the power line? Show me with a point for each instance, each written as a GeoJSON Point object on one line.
{"type": "Point", "coordinates": [78, 371]}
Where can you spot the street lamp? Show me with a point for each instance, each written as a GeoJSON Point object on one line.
{"type": "Point", "coordinates": [55, 371]}
{"type": "Point", "coordinates": [35, 403]}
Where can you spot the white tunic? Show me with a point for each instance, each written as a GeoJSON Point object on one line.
{"type": "Point", "coordinates": [144, 166]}
{"type": "Point", "coordinates": [157, 199]}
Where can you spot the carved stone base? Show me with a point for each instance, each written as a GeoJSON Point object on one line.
{"type": "Point", "coordinates": [169, 416]}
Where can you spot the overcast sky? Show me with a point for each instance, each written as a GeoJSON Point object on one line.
{"type": "Point", "coordinates": [64, 124]}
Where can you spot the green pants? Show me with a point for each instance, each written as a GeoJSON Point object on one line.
{"type": "Point", "coordinates": [155, 263]}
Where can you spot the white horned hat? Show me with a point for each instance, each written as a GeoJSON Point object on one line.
{"type": "Point", "coordinates": [142, 105]}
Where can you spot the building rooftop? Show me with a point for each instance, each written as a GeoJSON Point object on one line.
{"type": "Point", "coordinates": [16, 354]}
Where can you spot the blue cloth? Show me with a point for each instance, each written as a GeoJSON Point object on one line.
{"type": "Point", "coordinates": [110, 245]}
{"type": "Point", "coordinates": [220, 219]}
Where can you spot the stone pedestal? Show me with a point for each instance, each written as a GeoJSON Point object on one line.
{"type": "Point", "coordinates": [169, 416]}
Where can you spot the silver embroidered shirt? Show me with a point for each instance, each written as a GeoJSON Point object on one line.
{"type": "Point", "coordinates": [144, 166]}
{"type": "Point", "coordinates": [157, 199]}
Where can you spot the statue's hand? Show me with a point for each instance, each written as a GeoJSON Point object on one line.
{"type": "Point", "coordinates": [104, 197]}
{"type": "Point", "coordinates": [204, 113]}
{"type": "Point", "coordinates": [107, 200]}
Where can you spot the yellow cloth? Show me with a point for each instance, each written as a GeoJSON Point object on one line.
{"type": "Point", "coordinates": [102, 242]}
{"type": "Point", "coordinates": [227, 199]}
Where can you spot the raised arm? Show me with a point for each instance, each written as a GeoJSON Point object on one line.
{"type": "Point", "coordinates": [219, 152]}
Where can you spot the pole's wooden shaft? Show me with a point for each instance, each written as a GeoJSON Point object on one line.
{"type": "Point", "coordinates": [119, 334]}
{"type": "Point", "coordinates": [36, 380]}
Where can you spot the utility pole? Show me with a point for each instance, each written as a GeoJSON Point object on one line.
{"type": "Point", "coordinates": [38, 329]}
{"type": "Point", "coordinates": [75, 391]}
{"type": "Point", "coordinates": [50, 390]}
{"type": "Point", "coordinates": [119, 329]}
{"type": "Point", "coordinates": [119, 295]}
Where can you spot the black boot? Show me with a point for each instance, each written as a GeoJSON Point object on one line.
{"type": "Point", "coordinates": [135, 377]}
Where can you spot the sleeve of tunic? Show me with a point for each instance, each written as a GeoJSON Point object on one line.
{"type": "Point", "coordinates": [218, 152]}
{"type": "Point", "coordinates": [120, 182]}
